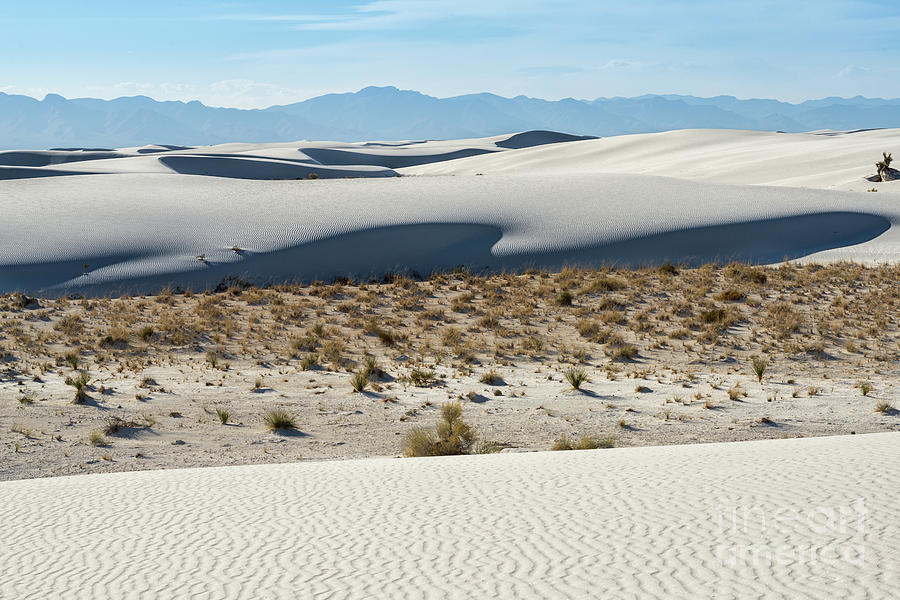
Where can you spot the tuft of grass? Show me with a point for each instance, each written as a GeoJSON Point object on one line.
{"type": "Point", "coordinates": [26, 399]}
{"type": "Point", "coordinates": [565, 298]}
{"type": "Point", "coordinates": [451, 436]}
{"type": "Point", "coordinates": [421, 377]}
{"type": "Point", "coordinates": [80, 384]}
{"type": "Point", "coordinates": [759, 367]}
{"type": "Point", "coordinates": [309, 361]}
{"type": "Point", "coordinates": [865, 387]}
{"type": "Point", "coordinates": [212, 357]}
{"type": "Point", "coordinates": [72, 358]}
{"type": "Point", "coordinates": [95, 438]}
{"type": "Point", "coordinates": [145, 333]}
{"type": "Point", "coordinates": [224, 415]}
{"type": "Point", "coordinates": [491, 378]}
{"type": "Point", "coordinates": [279, 419]}
{"type": "Point", "coordinates": [884, 407]}
{"type": "Point", "coordinates": [359, 381]}
{"type": "Point", "coordinates": [587, 442]}
{"type": "Point", "coordinates": [576, 377]}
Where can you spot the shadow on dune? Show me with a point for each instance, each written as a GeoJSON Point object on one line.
{"type": "Point", "coordinates": [419, 249]}
{"type": "Point", "coordinates": [328, 156]}
{"type": "Point", "coordinates": [529, 139]}
{"type": "Point", "coordinates": [244, 168]}
{"type": "Point", "coordinates": [34, 172]}
{"type": "Point", "coordinates": [43, 158]}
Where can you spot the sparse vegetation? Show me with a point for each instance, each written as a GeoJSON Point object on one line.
{"type": "Point", "coordinates": [759, 367]}
{"type": "Point", "coordinates": [576, 377]}
{"type": "Point", "coordinates": [278, 419]}
{"type": "Point", "coordinates": [586, 442]}
{"type": "Point", "coordinates": [223, 414]}
{"type": "Point", "coordinates": [451, 436]}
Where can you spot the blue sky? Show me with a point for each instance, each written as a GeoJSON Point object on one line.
{"type": "Point", "coordinates": [254, 54]}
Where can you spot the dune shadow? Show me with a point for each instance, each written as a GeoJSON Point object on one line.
{"type": "Point", "coordinates": [422, 248]}
{"type": "Point", "coordinates": [529, 139]}
{"type": "Point", "coordinates": [329, 156]}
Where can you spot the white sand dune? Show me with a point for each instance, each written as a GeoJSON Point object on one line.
{"type": "Point", "coordinates": [831, 160]}
{"type": "Point", "coordinates": [794, 519]}
{"type": "Point", "coordinates": [192, 217]}
{"type": "Point", "coordinates": [141, 232]}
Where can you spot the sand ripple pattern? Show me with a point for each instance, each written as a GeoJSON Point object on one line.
{"type": "Point", "coordinates": [662, 522]}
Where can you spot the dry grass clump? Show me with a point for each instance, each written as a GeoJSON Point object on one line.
{"type": "Point", "coordinates": [451, 436]}
{"type": "Point", "coordinates": [278, 419]}
{"type": "Point", "coordinates": [576, 377]}
{"type": "Point", "coordinates": [586, 442]}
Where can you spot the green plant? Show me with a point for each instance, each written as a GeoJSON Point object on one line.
{"type": "Point", "coordinates": [212, 357]}
{"type": "Point", "coordinates": [576, 377]}
{"type": "Point", "coordinates": [865, 387]}
{"type": "Point", "coordinates": [451, 436]}
{"type": "Point", "coordinates": [279, 419]}
{"type": "Point", "coordinates": [72, 358]}
{"type": "Point", "coordinates": [565, 298]}
{"type": "Point", "coordinates": [883, 165]}
{"type": "Point", "coordinates": [359, 381]}
{"type": "Point", "coordinates": [491, 378]}
{"type": "Point", "coordinates": [587, 442]}
{"type": "Point", "coordinates": [80, 384]}
{"type": "Point", "coordinates": [309, 361]}
{"type": "Point", "coordinates": [421, 377]}
{"type": "Point", "coordinates": [223, 414]}
{"type": "Point", "coordinates": [95, 438]}
{"type": "Point", "coordinates": [759, 367]}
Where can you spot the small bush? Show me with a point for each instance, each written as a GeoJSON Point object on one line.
{"type": "Point", "coordinates": [80, 384]}
{"type": "Point", "coordinates": [96, 439]}
{"type": "Point", "coordinates": [421, 377]}
{"type": "Point", "coordinates": [491, 378]}
{"type": "Point", "coordinates": [72, 358]}
{"type": "Point", "coordinates": [576, 377]}
{"type": "Point", "coordinates": [309, 361]}
{"type": "Point", "coordinates": [759, 367]}
{"type": "Point", "coordinates": [586, 442]}
{"type": "Point", "coordinates": [359, 381]}
{"type": "Point", "coordinates": [451, 436]}
{"type": "Point", "coordinates": [224, 415]}
{"type": "Point", "coordinates": [865, 387]}
{"type": "Point", "coordinates": [565, 298]}
{"type": "Point", "coordinates": [884, 407]}
{"type": "Point", "coordinates": [145, 333]}
{"type": "Point", "coordinates": [279, 419]}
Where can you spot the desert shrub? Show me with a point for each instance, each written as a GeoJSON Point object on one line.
{"type": "Point", "coordinates": [80, 383]}
{"type": "Point", "coordinates": [587, 442]}
{"type": "Point", "coordinates": [145, 333]}
{"type": "Point", "coordinates": [451, 436]}
{"type": "Point", "coordinates": [576, 377]}
{"type": "Point", "coordinates": [491, 378]}
{"type": "Point", "coordinates": [309, 361]}
{"type": "Point", "coordinates": [359, 381]}
{"type": "Point", "coordinates": [224, 415]}
{"type": "Point", "coordinates": [421, 377]}
{"type": "Point", "coordinates": [759, 367]}
{"type": "Point", "coordinates": [95, 438]}
{"type": "Point", "coordinates": [279, 419]}
{"type": "Point", "coordinates": [565, 298]}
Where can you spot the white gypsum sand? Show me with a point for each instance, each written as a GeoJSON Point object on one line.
{"type": "Point", "coordinates": [803, 518]}
{"type": "Point", "coordinates": [141, 224]}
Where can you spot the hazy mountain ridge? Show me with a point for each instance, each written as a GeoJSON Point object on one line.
{"type": "Point", "coordinates": [387, 113]}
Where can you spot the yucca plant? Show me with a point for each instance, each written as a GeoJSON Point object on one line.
{"type": "Point", "coordinates": [759, 367]}
{"type": "Point", "coordinates": [883, 165]}
{"type": "Point", "coordinates": [576, 377]}
{"type": "Point", "coordinates": [359, 381]}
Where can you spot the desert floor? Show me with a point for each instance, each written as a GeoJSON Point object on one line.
{"type": "Point", "coordinates": [668, 354]}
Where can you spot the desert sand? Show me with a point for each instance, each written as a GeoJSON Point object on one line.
{"type": "Point", "coordinates": [143, 224]}
{"type": "Point", "coordinates": [281, 277]}
{"type": "Point", "coordinates": [810, 518]}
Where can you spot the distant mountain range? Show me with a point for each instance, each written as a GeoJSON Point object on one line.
{"type": "Point", "coordinates": [387, 113]}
